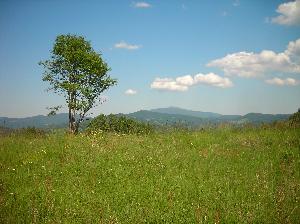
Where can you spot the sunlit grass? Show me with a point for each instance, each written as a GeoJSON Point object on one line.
{"type": "Point", "coordinates": [212, 176]}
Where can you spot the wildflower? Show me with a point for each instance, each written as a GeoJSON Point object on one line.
{"type": "Point", "coordinates": [13, 169]}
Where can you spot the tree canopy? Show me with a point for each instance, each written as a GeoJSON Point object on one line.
{"type": "Point", "coordinates": [78, 73]}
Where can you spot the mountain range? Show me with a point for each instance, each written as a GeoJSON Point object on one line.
{"type": "Point", "coordinates": [160, 116]}
{"type": "Point", "coordinates": [173, 115]}
{"type": "Point", "coordinates": [39, 121]}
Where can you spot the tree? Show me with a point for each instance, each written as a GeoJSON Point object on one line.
{"type": "Point", "coordinates": [78, 73]}
{"type": "Point", "coordinates": [294, 119]}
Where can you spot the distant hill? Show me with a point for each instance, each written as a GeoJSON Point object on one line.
{"type": "Point", "coordinates": [164, 118]}
{"type": "Point", "coordinates": [40, 121]}
{"type": "Point", "coordinates": [226, 118]}
{"type": "Point", "coordinates": [198, 118]}
{"type": "Point", "coordinates": [254, 118]}
{"type": "Point", "coordinates": [180, 111]}
{"type": "Point", "coordinates": [161, 116]}
{"type": "Point", "coordinates": [266, 118]}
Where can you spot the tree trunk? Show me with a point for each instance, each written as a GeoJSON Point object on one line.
{"type": "Point", "coordinates": [72, 124]}
{"type": "Point", "coordinates": [73, 129]}
{"type": "Point", "coordinates": [70, 119]}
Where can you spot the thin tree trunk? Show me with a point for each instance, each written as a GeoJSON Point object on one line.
{"type": "Point", "coordinates": [70, 114]}
{"type": "Point", "coordinates": [75, 128]}
{"type": "Point", "coordinates": [72, 125]}
{"type": "Point", "coordinates": [70, 120]}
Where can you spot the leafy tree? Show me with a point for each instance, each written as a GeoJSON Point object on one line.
{"type": "Point", "coordinates": [294, 119]}
{"type": "Point", "coordinates": [118, 124]}
{"type": "Point", "coordinates": [78, 73]}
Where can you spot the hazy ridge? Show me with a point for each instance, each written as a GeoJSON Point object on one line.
{"type": "Point", "coordinates": [169, 115]}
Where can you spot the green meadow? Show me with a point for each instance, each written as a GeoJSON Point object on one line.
{"type": "Point", "coordinates": [249, 175]}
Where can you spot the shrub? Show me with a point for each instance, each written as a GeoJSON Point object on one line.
{"type": "Point", "coordinates": [294, 119]}
{"type": "Point", "coordinates": [29, 132]}
{"type": "Point", "coordinates": [119, 124]}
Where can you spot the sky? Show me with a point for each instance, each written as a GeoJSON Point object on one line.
{"type": "Point", "coordinates": [228, 57]}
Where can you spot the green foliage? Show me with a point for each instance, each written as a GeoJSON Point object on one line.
{"type": "Point", "coordinates": [78, 73]}
{"type": "Point", "coordinates": [294, 119]}
{"type": "Point", "coordinates": [53, 110]}
{"type": "Point", "coordinates": [119, 124]}
{"type": "Point", "coordinates": [30, 132]}
{"type": "Point", "coordinates": [212, 176]}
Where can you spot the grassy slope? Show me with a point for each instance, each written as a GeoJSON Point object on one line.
{"type": "Point", "coordinates": [228, 176]}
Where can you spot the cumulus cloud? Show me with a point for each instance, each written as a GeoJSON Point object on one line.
{"type": "Point", "coordinates": [236, 3]}
{"type": "Point", "coordinates": [130, 92]}
{"type": "Point", "coordinates": [213, 79]}
{"type": "Point", "coordinates": [186, 80]}
{"type": "Point", "coordinates": [289, 14]}
{"type": "Point", "coordinates": [293, 51]}
{"type": "Point", "coordinates": [249, 64]}
{"type": "Point", "coordinates": [283, 82]}
{"type": "Point", "coordinates": [167, 84]}
{"type": "Point", "coordinates": [141, 5]}
{"type": "Point", "coordinates": [124, 45]}
{"type": "Point", "coordinates": [182, 83]}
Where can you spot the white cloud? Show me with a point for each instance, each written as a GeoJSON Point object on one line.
{"type": "Point", "coordinates": [167, 84]}
{"type": "Point", "coordinates": [186, 80]}
{"type": "Point", "coordinates": [249, 64]}
{"type": "Point", "coordinates": [283, 82]}
{"type": "Point", "coordinates": [213, 79]}
{"type": "Point", "coordinates": [124, 45]}
{"type": "Point", "coordinates": [130, 92]}
{"type": "Point", "coordinates": [182, 83]}
{"type": "Point", "coordinates": [293, 51]}
{"type": "Point", "coordinates": [236, 3]}
{"type": "Point", "coordinates": [289, 13]}
{"type": "Point", "coordinates": [141, 5]}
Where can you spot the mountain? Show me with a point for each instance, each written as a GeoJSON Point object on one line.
{"type": "Point", "coordinates": [160, 116]}
{"type": "Point", "coordinates": [266, 118]}
{"type": "Point", "coordinates": [164, 118]}
{"type": "Point", "coordinates": [174, 115]}
{"type": "Point", "coordinates": [40, 121]}
{"type": "Point", "coordinates": [180, 111]}
{"type": "Point", "coordinates": [226, 118]}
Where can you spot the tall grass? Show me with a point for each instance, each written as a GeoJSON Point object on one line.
{"type": "Point", "coordinates": [209, 176]}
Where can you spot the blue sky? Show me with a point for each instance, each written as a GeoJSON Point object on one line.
{"type": "Point", "coordinates": [230, 57]}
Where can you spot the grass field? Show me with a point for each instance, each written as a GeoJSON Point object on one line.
{"type": "Point", "coordinates": [213, 176]}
